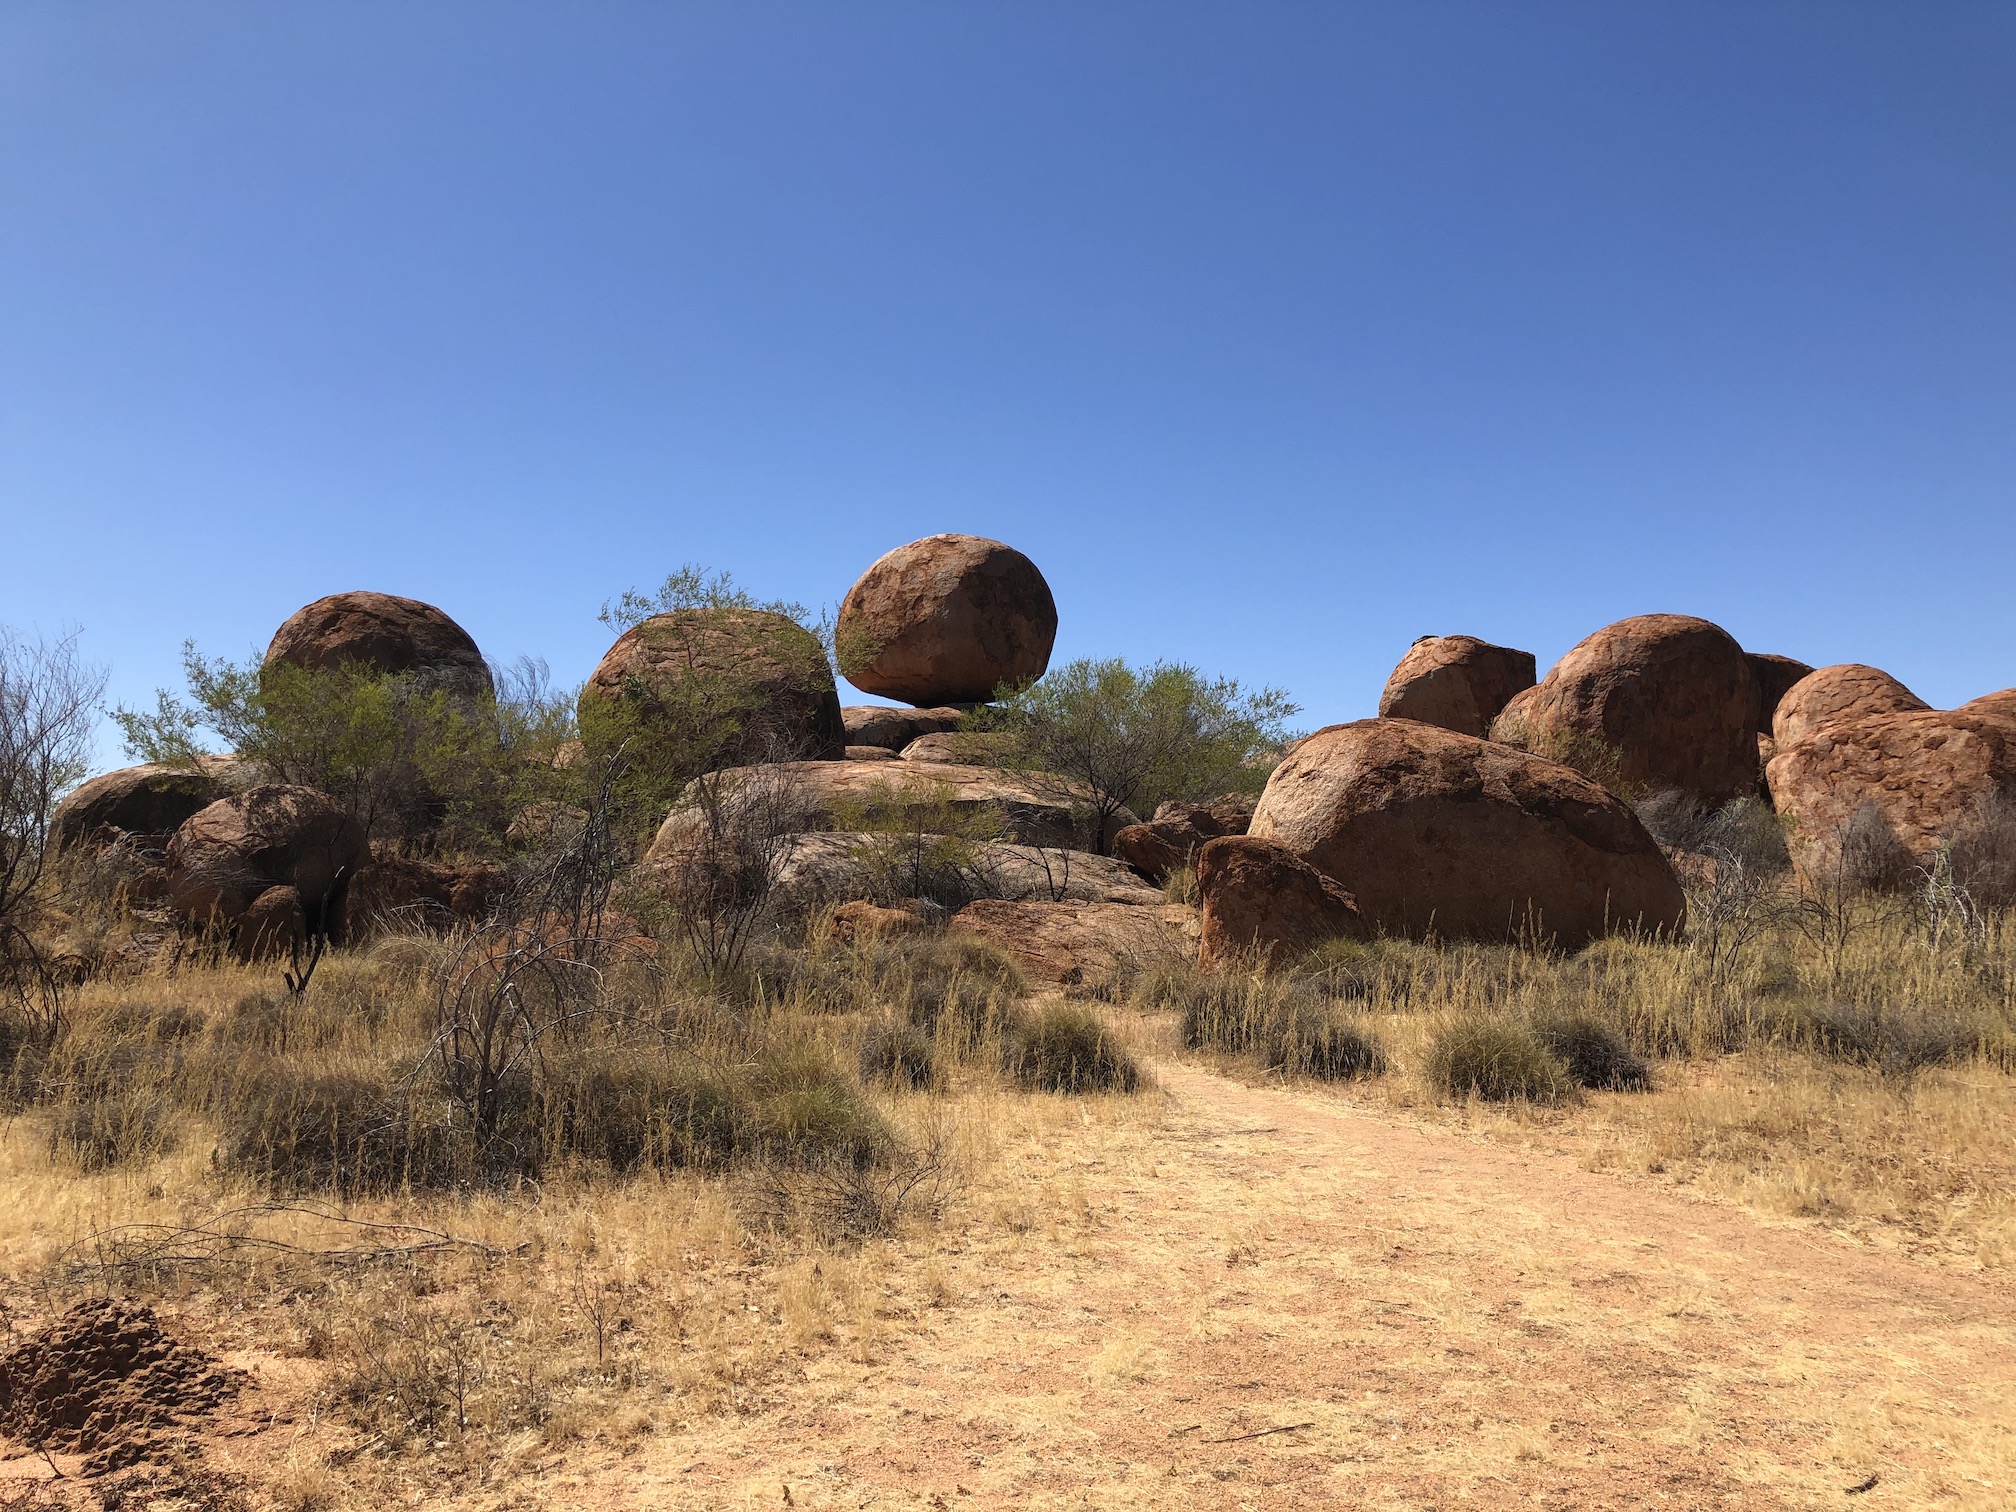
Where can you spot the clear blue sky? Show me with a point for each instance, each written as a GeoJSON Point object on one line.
{"type": "Point", "coordinates": [1278, 334]}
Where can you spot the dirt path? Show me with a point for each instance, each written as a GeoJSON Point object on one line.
{"type": "Point", "coordinates": [1449, 1323]}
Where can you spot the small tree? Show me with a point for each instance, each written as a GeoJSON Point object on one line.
{"type": "Point", "coordinates": [400, 756]}
{"type": "Point", "coordinates": [1136, 738]}
{"type": "Point", "coordinates": [47, 699]}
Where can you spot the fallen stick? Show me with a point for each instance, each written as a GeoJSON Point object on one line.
{"type": "Point", "coordinates": [1240, 1437]}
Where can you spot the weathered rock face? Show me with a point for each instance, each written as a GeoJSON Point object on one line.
{"type": "Point", "coordinates": [1844, 694]}
{"type": "Point", "coordinates": [807, 796]}
{"type": "Point", "coordinates": [1995, 705]}
{"type": "Point", "coordinates": [1774, 677]}
{"type": "Point", "coordinates": [1255, 899]}
{"type": "Point", "coordinates": [820, 869]}
{"type": "Point", "coordinates": [1900, 781]}
{"type": "Point", "coordinates": [1160, 846]}
{"type": "Point", "coordinates": [1656, 703]}
{"type": "Point", "coordinates": [870, 753]}
{"type": "Point", "coordinates": [1227, 814]}
{"type": "Point", "coordinates": [386, 633]}
{"type": "Point", "coordinates": [1080, 944]}
{"type": "Point", "coordinates": [147, 802]}
{"type": "Point", "coordinates": [947, 620]}
{"type": "Point", "coordinates": [273, 928]}
{"type": "Point", "coordinates": [225, 856]}
{"type": "Point", "coordinates": [858, 922]}
{"type": "Point", "coordinates": [960, 747]}
{"type": "Point", "coordinates": [1178, 831]}
{"type": "Point", "coordinates": [1436, 833]}
{"type": "Point", "coordinates": [1456, 681]}
{"type": "Point", "coordinates": [402, 894]}
{"type": "Point", "coordinates": [880, 725]}
{"type": "Point", "coordinates": [762, 673]}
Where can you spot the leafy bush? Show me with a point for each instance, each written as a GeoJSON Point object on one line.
{"type": "Point", "coordinates": [1066, 1048]}
{"type": "Point", "coordinates": [1594, 1054]}
{"type": "Point", "coordinates": [1499, 1060]}
{"type": "Point", "coordinates": [1139, 737]}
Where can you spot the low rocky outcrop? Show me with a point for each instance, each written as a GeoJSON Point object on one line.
{"type": "Point", "coordinates": [870, 753]}
{"type": "Point", "coordinates": [1440, 834]}
{"type": "Point", "coordinates": [880, 725]}
{"type": "Point", "coordinates": [1258, 901]}
{"type": "Point", "coordinates": [1456, 681]}
{"type": "Point", "coordinates": [148, 803]}
{"type": "Point", "coordinates": [223, 857]}
{"type": "Point", "coordinates": [1656, 703]}
{"type": "Point", "coordinates": [1995, 705]}
{"type": "Point", "coordinates": [386, 633]}
{"type": "Point", "coordinates": [400, 894]}
{"type": "Point", "coordinates": [947, 620]}
{"type": "Point", "coordinates": [861, 922]}
{"type": "Point", "coordinates": [1844, 694]}
{"type": "Point", "coordinates": [1871, 798]}
{"type": "Point", "coordinates": [807, 796]}
{"type": "Point", "coordinates": [1173, 837]}
{"type": "Point", "coordinates": [761, 679]}
{"type": "Point", "coordinates": [1086, 945]}
{"type": "Point", "coordinates": [816, 870]}
{"type": "Point", "coordinates": [960, 747]}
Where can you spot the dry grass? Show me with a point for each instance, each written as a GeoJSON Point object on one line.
{"type": "Point", "coordinates": [637, 1279]}
{"type": "Point", "coordinates": [1851, 1070]}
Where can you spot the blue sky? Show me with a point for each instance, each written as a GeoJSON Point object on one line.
{"type": "Point", "coordinates": [1278, 334]}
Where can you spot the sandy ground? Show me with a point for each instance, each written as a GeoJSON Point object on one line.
{"type": "Point", "coordinates": [1272, 1300]}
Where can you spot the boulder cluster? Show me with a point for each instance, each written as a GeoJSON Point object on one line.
{"type": "Point", "coordinates": [1484, 801]}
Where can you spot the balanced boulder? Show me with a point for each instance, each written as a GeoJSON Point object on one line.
{"type": "Point", "coordinates": [947, 620]}
{"type": "Point", "coordinates": [1258, 900]}
{"type": "Point", "coordinates": [892, 728]}
{"type": "Point", "coordinates": [1839, 695]}
{"type": "Point", "coordinates": [225, 856]}
{"type": "Point", "coordinates": [1870, 798]}
{"type": "Point", "coordinates": [146, 802]}
{"type": "Point", "coordinates": [1440, 834]}
{"type": "Point", "coordinates": [1456, 681]}
{"type": "Point", "coordinates": [1656, 703]}
{"type": "Point", "coordinates": [752, 681]}
{"type": "Point", "coordinates": [385, 633]}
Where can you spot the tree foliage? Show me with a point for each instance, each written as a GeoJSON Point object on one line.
{"type": "Point", "coordinates": [1134, 738]}
{"type": "Point", "coordinates": [48, 697]}
{"type": "Point", "coordinates": [399, 756]}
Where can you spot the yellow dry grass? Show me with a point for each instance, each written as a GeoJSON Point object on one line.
{"type": "Point", "coordinates": [1774, 1275]}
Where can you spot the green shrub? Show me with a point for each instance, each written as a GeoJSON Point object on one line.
{"type": "Point", "coordinates": [1495, 1059]}
{"type": "Point", "coordinates": [1594, 1054]}
{"type": "Point", "coordinates": [1066, 1048]}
